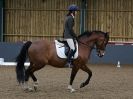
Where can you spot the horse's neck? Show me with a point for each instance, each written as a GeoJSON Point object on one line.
{"type": "Point", "coordinates": [85, 49]}
{"type": "Point", "coordinates": [88, 42]}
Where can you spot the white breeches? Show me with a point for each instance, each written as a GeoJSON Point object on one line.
{"type": "Point", "coordinates": [71, 44]}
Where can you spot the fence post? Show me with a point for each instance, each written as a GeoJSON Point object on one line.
{"type": "Point", "coordinates": [82, 16]}
{"type": "Point", "coordinates": [1, 20]}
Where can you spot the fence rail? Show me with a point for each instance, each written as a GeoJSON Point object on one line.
{"type": "Point", "coordinates": [39, 19]}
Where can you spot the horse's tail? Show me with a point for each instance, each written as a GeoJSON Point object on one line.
{"type": "Point", "coordinates": [21, 58]}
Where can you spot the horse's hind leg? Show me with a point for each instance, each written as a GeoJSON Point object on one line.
{"type": "Point", "coordinates": [27, 75]}
{"type": "Point", "coordinates": [35, 81]}
{"type": "Point", "coordinates": [73, 74]}
{"type": "Point", "coordinates": [86, 69]}
{"type": "Point", "coordinates": [31, 74]}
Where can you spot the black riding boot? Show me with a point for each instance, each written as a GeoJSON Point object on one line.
{"type": "Point", "coordinates": [69, 59]}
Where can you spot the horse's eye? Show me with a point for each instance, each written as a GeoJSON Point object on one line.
{"type": "Point", "coordinates": [99, 43]}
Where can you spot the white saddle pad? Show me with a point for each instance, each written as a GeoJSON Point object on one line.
{"type": "Point", "coordinates": [60, 49]}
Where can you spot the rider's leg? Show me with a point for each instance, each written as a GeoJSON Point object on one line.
{"type": "Point", "coordinates": [71, 52]}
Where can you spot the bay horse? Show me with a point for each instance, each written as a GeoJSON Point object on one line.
{"type": "Point", "coordinates": [43, 52]}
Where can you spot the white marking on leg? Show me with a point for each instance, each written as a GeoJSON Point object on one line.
{"type": "Point", "coordinates": [35, 85]}
{"type": "Point", "coordinates": [26, 87]}
{"type": "Point", "coordinates": [71, 89]}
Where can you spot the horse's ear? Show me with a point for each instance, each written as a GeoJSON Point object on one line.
{"type": "Point", "coordinates": [106, 34]}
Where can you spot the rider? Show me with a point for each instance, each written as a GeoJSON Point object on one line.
{"type": "Point", "coordinates": [69, 34]}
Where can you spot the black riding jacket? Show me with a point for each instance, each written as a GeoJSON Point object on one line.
{"type": "Point", "coordinates": [68, 29]}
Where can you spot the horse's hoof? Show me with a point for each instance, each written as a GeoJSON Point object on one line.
{"type": "Point", "coordinates": [28, 89]}
{"type": "Point", "coordinates": [35, 88]}
{"type": "Point", "coordinates": [72, 90]}
{"type": "Point", "coordinates": [82, 85]}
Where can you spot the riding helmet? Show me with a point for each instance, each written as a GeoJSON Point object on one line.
{"type": "Point", "coordinates": [73, 7]}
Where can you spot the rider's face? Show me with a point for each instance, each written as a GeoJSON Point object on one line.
{"type": "Point", "coordinates": [75, 12]}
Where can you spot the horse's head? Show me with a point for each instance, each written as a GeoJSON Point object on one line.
{"type": "Point", "coordinates": [95, 38]}
{"type": "Point", "coordinates": [101, 42]}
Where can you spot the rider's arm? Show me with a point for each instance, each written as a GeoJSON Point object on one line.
{"type": "Point", "coordinates": [70, 27]}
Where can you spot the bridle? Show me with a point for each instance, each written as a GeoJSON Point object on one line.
{"type": "Point", "coordinates": [101, 52]}
{"type": "Point", "coordinates": [101, 44]}
{"type": "Point", "coordinates": [92, 47]}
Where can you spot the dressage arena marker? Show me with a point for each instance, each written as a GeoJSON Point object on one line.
{"type": "Point", "coordinates": [118, 64]}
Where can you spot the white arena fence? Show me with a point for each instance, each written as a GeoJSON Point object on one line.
{"type": "Point", "coordinates": [2, 63]}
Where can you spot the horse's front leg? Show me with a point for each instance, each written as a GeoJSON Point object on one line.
{"type": "Point", "coordinates": [73, 74]}
{"type": "Point", "coordinates": [86, 69]}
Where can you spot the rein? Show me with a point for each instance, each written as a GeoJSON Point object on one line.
{"type": "Point", "coordinates": [92, 47]}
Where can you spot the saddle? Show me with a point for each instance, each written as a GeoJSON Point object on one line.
{"type": "Point", "coordinates": [62, 49]}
